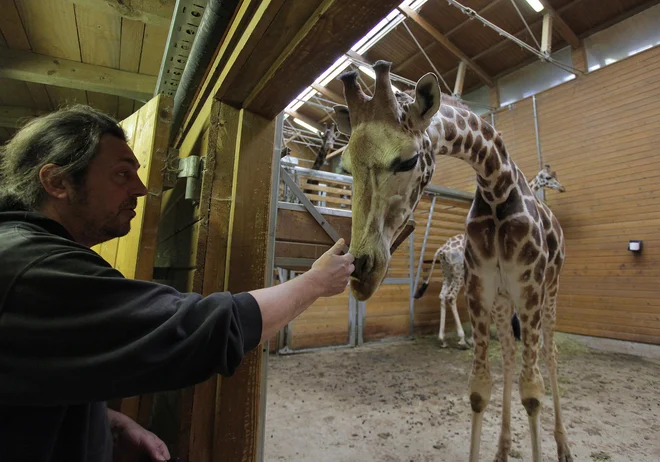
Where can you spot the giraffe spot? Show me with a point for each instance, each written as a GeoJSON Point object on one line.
{"type": "Point", "coordinates": [483, 233]}
{"type": "Point", "coordinates": [460, 121]}
{"type": "Point", "coordinates": [492, 163]}
{"type": "Point", "coordinates": [429, 159]}
{"type": "Point", "coordinates": [511, 206]}
{"type": "Point", "coordinates": [484, 183]}
{"type": "Point", "coordinates": [414, 197]}
{"type": "Point", "coordinates": [473, 122]}
{"type": "Point", "coordinates": [469, 139]}
{"type": "Point", "coordinates": [539, 270]}
{"type": "Point", "coordinates": [535, 338]}
{"type": "Point", "coordinates": [462, 112]}
{"type": "Point", "coordinates": [482, 154]}
{"type": "Point", "coordinates": [525, 276]}
{"type": "Point", "coordinates": [532, 209]}
{"type": "Point", "coordinates": [524, 317]}
{"type": "Point", "coordinates": [536, 317]}
{"type": "Point", "coordinates": [487, 131]}
{"type": "Point", "coordinates": [446, 111]}
{"type": "Point", "coordinates": [450, 130]}
{"type": "Point", "coordinates": [489, 197]}
{"type": "Point", "coordinates": [475, 307]}
{"type": "Point", "coordinates": [483, 328]}
{"type": "Point", "coordinates": [536, 235]}
{"type": "Point", "coordinates": [528, 254]}
{"type": "Point", "coordinates": [550, 274]}
{"type": "Point", "coordinates": [480, 208]}
{"type": "Point", "coordinates": [457, 146]}
{"type": "Point", "coordinates": [470, 259]}
{"type": "Point", "coordinates": [558, 260]}
{"type": "Point", "coordinates": [511, 233]}
{"type": "Point", "coordinates": [545, 220]}
{"type": "Point", "coordinates": [529, 293]}
{"type": "Point", "coordinates": [551, 239]}
{"type": "Point", "coordinates": [476, 146]}
{"type": "Point", "coordinates": [499, 142]}
{"type": "Point", "coordinates": [503, 183]}
{"type": "Point", "coordinates": [443, 150]}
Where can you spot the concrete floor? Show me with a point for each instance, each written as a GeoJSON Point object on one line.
{"type": "Point", "coordinates": [407, 401]}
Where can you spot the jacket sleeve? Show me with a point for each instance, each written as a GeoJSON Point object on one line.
{"type": "Point", "coordinates": [73, 329]}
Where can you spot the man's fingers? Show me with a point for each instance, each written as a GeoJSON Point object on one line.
{"type": "Point", "coordinates": [338, 248]}
{"type": "Point", "coordinates": [351, 268]}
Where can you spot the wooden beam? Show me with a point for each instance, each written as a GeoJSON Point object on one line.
{"type": "Point", "coordinates": [579, 58]}
{"type": "Point", "coordinates": [155, 12]}
{"type": "Point", "coordinates": [305, 119]}
{"type": "Point", "coordinates": [495, 96]}
{"type": "Point", "coordinates": [337, 152]}
{"type": "Point", "coordinates": [564, 30]}
{"type": "Point", "coordinates": [331, 95]}
{"type": "Point", "coordinates": [444, 41]}
{"type": "Point", "coordinates": [32, 67]}
{"type": "Point", "coordinates": [460, 79]}
{"type": "Point", "coordinates": [546, 34]}
{"type": "Point", "coordinates": [15, 117]}
{"type": "Point", "coordinates": [449, 33]}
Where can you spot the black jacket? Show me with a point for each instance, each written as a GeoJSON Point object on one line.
{"type": "Point", "coordinates": [75, 333]}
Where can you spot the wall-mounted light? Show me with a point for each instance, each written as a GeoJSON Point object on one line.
{"type": "Point", "coordinates": [635, 246]}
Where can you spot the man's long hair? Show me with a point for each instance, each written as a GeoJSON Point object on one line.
{"type": "Point", "coordinates": [68, 138]}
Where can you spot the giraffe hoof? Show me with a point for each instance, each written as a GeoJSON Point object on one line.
{"type": "Point", "coordinates": [443, 344]}
{"type": "Point", "coordinates": [463, 346]}
{"type": "Point", "coordinates": [565, 456]}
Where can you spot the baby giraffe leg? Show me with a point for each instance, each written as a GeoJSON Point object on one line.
{"type": "Point", "coordinates": [550, 354]}
{"type": "Point", "coordinates": [453, 296]}
{"type": "Point", "coordinates": [531, 381]}
{"type": "Point", "coordinates": [443, 313]}
{"type": "Point", "coordinates": [502, 311]}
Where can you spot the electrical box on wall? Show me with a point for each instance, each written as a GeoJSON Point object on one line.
{"type": "Point", "coordinates": [635, 246]}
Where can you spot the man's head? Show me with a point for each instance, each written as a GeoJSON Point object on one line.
{"type": "Point", "coordinates": [75, 166]}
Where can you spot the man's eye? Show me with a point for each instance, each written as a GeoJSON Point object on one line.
{"type": "Point", "coordinates": [407, 165]}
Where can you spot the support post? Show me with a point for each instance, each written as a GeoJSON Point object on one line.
{"type": "Point", "coordinates": [495, 96]}
{"type": "Point", "coordinates": [541, 192]}
{"type": "Point", "coordinates": [460, 79]}
{"type": "Point", "coordinates": [579, 57]}
{"type": "Point", "coordinates": [429, 221]}
{"type": "Point", "coordinates": [411, 284]}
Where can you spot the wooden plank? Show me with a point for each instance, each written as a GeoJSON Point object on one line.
{"type": "Point", "coordinates": [448, 44]}
{"type": "Point", "coordinates": [153, 48]}
{"type": "Point", "coordinates": [51, 28]}
{"type": "Point", "coordinates": [154, 12]}
{"type": "Point", "coordinates": [15, 117]}
{"type": "Point", "coordinates": [561, 26]}
{"type": "Point", "coordinates": [333, 28]}
{"type": "Point", "coordinates": [11, 27]}
{"type": "Point", "coordinates": [237, 423]}
{"type": "Point", "coordinates": [300, 226]}
{"type": "Point", "coordinates": [31, 67]}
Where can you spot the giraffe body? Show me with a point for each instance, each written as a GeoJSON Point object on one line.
{"type": "Point", "coordinates": [451, 258]}
{"type": "Point", "coordinates": [514, 245]}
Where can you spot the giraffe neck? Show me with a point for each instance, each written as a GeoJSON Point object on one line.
{"type": "Point", "coordinates": [535, 185]}
{"type": "Point", "coordinates": [463, 135]}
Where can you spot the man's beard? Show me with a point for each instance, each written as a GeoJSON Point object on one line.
{"type": "Point", "coordinates": [101, 229]}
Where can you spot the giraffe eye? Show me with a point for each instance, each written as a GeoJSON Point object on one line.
{"type": "Point", "coordinates": [405, 166]}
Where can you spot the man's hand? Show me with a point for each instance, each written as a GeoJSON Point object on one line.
{"type": "Point", "coordinates": [132, 442]}
{"type": "Point", "coordinates": [332, 270]}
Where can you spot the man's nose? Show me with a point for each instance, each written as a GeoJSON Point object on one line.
{"type": "Point", "coordinates": [140, 188]}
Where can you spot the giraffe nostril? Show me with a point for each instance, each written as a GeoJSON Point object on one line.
{"type": "Point", "coordinates": [363, 266]}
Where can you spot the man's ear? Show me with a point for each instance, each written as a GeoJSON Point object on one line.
{"type": "Point", "coordinates": [55, 184]}
{"type": "Point", "coordinates": [427, 100]}
{"type": "Point", "coordinates": [343, 119]}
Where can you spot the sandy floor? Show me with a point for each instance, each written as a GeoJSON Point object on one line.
{"type": "Point", "coordinates": [407, 401]}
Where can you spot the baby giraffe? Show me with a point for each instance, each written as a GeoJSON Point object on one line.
{"type": "Point", "coordinates": [451, 258]}
{"type": "Point", "coordinates": [514, 248]}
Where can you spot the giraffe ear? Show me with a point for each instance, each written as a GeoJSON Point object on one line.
{"type": "Point", "coordinates": [427, 100]}
{"type": "Point", "coordinates": [343, 119]}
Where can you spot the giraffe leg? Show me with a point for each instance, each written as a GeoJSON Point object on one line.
{"type": "Point", "coordinates": [531, 381]}
{"type": "Point", "coordinates": [453, 296]}
{"type": "Point", "coordinates": [550, 355]}
{"type": "Point", "coordinates": [479, 303]}
{"type": "Point", "coordinates": [443, 312]}
{"type": "Point", "coordinates": [502, 311]}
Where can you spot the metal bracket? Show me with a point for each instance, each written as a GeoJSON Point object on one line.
{"type": "Point", "coordinates": [190, 168]}
{"type": "Point", "coordinates": [310, 207]}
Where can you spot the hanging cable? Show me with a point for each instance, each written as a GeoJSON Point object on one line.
{"type": "Point", "coordinates": [538, 45]}
{"type": "Point", "coordinates": [427, 58]}
{"type": "Point", "coordinates": [544, 57]}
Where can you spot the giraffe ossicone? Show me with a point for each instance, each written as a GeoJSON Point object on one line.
{"type": "Point", "coordinates": [514, 248]}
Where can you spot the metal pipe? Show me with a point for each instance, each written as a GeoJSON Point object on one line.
{"type": "Point", "coordinates": [214, 22]}
{"type": "Point", "coordinates": [411, 281]}
{"type": "Point", "coordinates": [426, 237]}
{"type": "Point", "coordinates": [541, 192]}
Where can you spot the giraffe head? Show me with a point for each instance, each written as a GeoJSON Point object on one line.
{"type": "Point", "coordinates": [547, 178]}
{"type": "Point", "coordinates": [390, 158]}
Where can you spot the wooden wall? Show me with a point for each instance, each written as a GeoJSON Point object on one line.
{"type": "Point", "coordinates": [599, 132]}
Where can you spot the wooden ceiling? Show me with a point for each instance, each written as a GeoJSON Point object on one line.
{"type": "Point", "coordinates": [81, 31]}
{"type": "Point", "coordinates": [495, 55]}
{"type": "Point", "coordinates": [96, 39]}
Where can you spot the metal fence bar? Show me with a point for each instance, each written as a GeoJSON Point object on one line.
{"type": "Point", "coordinates": [426, 237]}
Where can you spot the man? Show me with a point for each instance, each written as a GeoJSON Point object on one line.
{"type": "Point", "coordinates": [74, 332]}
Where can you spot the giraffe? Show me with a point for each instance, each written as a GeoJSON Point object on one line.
{"type": "Point", "coordinates": [514, 247]}
{"type": "Point", "coordinates": [450, 256]}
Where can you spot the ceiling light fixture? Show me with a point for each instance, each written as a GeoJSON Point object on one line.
{"type": "Point", "coordinates": [538, 7]}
